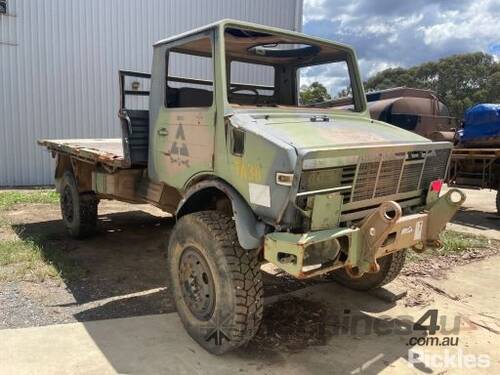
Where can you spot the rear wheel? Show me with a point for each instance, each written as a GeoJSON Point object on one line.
{"type": "Point", "coordinates": [390, 267]}
{"type": "Point", "coordinates": [79, 210]}
{"type": "Point", "coordinates": [216, 285]}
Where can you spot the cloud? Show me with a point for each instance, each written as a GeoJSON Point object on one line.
{"type": "Point", "coordinates": [390, 33]}
{"type": "Point", "coordinates": [334, 76]}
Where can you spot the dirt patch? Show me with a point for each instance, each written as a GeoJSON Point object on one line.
{"type": "Point", "coordinates": [437, 266]}
{"type": "Point", "coordinates": [421, 293]}
{"type": "Point", "coordinates": [121, 271]}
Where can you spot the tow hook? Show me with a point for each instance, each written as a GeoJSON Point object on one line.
{"type": "Point", "coordinates": [373, 230]}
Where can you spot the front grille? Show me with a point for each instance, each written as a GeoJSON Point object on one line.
{"type": "Point", "coordinates": [374, 176]}
{"type": "Point", "coordinates": [379, 175]}
{"type": "Point", "coordinates": [397, 173]}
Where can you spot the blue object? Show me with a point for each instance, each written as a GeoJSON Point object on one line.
{"type": "Point", "coordinates": [481, 121]}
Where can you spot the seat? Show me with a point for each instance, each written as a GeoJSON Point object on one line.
{"type": "Point", "coordinates": [135, 136]}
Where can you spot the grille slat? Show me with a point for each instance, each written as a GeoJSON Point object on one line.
{"type": "Point", "coordinates": [348, 174]}
{"type": "Point", "coordinates": [435, 167]}
{"type": "Point", "coordinates": [365, 181]}
{"type": "Point", "coordinates": [410, 178]}
{"type": "Point", "coordinates": [388, 177]}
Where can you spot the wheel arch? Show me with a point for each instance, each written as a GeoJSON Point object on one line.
{"type": "Point", "coordinates": [82, 172]}
{"type": "Point", "coordinates": [207, 195]}
{"type": "Point", "coordinates": [63, 164]}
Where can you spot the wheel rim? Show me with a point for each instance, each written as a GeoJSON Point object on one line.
{"type": "Point", "coordinates": [197, 285]}
{"type": "Point", "coordinates": [67, 204]}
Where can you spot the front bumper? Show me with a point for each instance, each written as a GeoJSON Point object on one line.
{"type": "Point", "coordinates": [384, 231]}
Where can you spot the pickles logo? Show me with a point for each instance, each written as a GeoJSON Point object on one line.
{"type": "Point", "coordinates": [179, 152]}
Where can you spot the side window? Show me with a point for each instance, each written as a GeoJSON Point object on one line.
{"type": "Point", "coordinates": [190, 75]}
{"type": "Point", "coordinates": [3, 6]}
{"type": "Point", "coordinates": [250, 82]}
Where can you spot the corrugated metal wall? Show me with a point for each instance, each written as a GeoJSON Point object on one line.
{"type": "Point", "coordinates": [59, 61]}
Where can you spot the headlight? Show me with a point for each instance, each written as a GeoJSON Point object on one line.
{"type": "Point", "coordinates": [320, 179]}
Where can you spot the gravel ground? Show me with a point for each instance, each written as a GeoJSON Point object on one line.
{"type": "Point", "coordinates": [19, 310]}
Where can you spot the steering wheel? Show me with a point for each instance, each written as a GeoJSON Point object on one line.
{"type": "Point", "coordinates": [237, 88]}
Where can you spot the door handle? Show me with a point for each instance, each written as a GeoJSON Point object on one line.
{"type": "Point", "coordinates": [162, 132]}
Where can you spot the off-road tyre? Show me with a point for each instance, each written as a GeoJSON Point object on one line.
{"type": "Point", "coordinates": [79, 210]}
{"type": "Point", "coordinates": [390, 267]}
{"type": "Point", "coordinates": [216, 284]}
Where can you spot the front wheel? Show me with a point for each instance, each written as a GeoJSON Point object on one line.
{"type": "Point", "coordinates": [390, 267]}
{"type": "Point", "coordinates": [216, 285]}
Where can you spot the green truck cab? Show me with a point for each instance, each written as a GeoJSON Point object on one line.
{"type": "Point", "coordinates": [251, 175]}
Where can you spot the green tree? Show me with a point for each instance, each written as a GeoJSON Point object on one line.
{"type": "Point", "coordinates": [460, 81]}
{"type": "Point", "coordinates": [314, 93]}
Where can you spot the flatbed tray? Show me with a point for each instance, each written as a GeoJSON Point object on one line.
{"type": "Point", "coordinates": [482, 153]}
{"type": "Point", "coordinates": [107, 151]}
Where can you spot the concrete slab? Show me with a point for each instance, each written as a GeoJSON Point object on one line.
{"type": "Point", "coordinates": [478, 214]}
{"type": "Point", "coordinates": [362, 335]}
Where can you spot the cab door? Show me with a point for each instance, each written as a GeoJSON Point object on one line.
{"type": "Point", "coordinates": [184, 131]}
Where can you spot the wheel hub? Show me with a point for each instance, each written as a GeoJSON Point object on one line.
{"type": "Point", "coordinates": [198, 289]}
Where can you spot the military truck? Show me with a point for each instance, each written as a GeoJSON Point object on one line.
{"type": "Point", "coordinates": [251, 176]}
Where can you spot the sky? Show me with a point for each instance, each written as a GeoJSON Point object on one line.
{"type": "Point", "coordinates": [391, 33]}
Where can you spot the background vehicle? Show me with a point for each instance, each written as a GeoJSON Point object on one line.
{"type": "Point", "coordinates": [252, 175]}
{"type": "Point", "coordinates": [476, 158]}
{"type": "Point", "coordinates": [416, 110]}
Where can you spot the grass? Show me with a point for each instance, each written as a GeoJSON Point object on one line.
{"type": "Point", "coordinates": [31, 258]}
{"type": "Point", "coordinates": [453, 243]}
{"type": "Point", "coordinates": [34, 260]}
{"type": "Point", "coordinates": [458, 242]}
{"type": "Point", "coordinates": [12, 197]}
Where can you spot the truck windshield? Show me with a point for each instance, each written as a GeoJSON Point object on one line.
{"type": "Point", "coordinates": [266, 70]}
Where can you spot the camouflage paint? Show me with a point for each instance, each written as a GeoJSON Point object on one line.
{"type": "Point", "coordinates": [187, 146]}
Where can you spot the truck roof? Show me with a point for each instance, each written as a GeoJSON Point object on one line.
{"type": "Point", "coordinates": [250, 25]}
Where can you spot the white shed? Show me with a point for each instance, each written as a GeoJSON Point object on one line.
{"type": "Point", "coordinates": [59, 62]}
